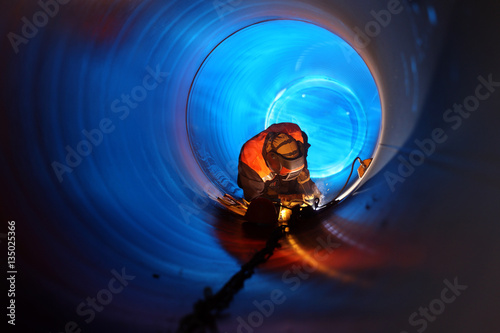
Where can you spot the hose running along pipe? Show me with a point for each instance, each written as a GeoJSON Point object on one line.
{"type": "Point", "coordinates": [122, 122]}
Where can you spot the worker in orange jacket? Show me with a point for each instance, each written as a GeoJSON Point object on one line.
{"type": "Point", "coordinates": [273, 165]}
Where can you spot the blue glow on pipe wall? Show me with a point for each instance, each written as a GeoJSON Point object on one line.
{"type": "Point", "coordinates": [101, 161]}
{"type": "Point", "coordinates": [284, 71]}
{"type": "Point", "coordinates": [111, 162]}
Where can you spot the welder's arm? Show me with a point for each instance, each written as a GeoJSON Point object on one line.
{"type": "Point", "coordinates": [305, 184]}
{"type": "Point", "coordinates": [250, 182]}
{"type": "Point", "coordinates": [308, 187]}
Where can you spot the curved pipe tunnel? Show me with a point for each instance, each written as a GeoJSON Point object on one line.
{"type": "Point", "coordinates": [123, 121]}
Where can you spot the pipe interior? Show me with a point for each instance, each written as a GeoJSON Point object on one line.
{"type": "Point", "coordinates": [122, 122]}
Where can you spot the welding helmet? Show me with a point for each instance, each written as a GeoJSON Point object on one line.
{"type": "Point", "coordinates": [284, 155]}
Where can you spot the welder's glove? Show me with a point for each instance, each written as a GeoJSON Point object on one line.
{"type": "Point", "coordinates": [313, 196]}
{"type": "Point", "coordinates": [291, 200]}
{"type": "Point", "coordinates": [304, 176]}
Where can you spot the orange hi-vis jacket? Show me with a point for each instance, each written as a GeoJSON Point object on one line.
{"type": "Point", "coordinates": [252, 162]}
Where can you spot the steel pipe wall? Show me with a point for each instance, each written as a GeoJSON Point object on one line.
{"type": "Point", "coordinates": [110, 174]}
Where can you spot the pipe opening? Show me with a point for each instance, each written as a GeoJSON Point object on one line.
{"type": "Point", "coordinates": [283, 71]}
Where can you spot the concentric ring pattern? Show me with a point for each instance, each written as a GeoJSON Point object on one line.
{"type": "Point", "coordinates": [122, 120]}
{"type": "Point", "coordinates": [284, 71]}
